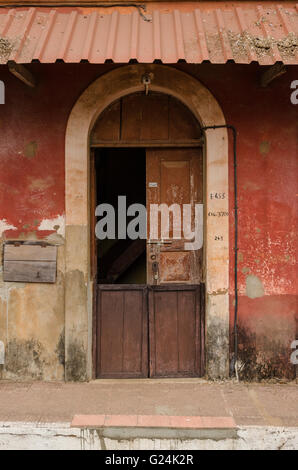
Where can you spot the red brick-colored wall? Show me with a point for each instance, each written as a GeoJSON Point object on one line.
{"type": "Point", "coordinates": [33, 123]}
{"type": "Point", "coordinates": [267, 153]}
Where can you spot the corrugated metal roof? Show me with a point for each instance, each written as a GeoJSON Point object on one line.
{"type": "Point", "coordinates": [193, 32]}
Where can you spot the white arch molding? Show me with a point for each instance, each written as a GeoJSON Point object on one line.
{"type": "Point", "coordinates": [78, 284]}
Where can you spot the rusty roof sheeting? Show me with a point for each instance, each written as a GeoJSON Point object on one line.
{"type": "Point", "coordinates": [216, 32]}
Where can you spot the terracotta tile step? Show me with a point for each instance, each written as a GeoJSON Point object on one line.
{"type": "Point", "coordinates": [158, 426]}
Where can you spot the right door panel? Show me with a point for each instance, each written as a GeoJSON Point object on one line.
{"type": "Point", "coordinates": [174, 177]}
{"type": "Point", "coordinates": [176, 331]}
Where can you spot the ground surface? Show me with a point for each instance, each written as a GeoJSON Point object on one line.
{"type": "Point", "coordinates": [248, 404]}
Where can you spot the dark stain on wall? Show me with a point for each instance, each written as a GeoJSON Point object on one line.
{"type": "Point", "coordinates": [216, 340]}
{"type": "Point", "coordinates": [262, 358]}
{"type": "Point", "coordinates": [76, 363]}
{"type": "Point", "coordinates": [23, 359]}
{"type": "Point", "coordinates": [60, 350]}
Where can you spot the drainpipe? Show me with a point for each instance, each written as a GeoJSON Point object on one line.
{"type": "Point", "coordinates": [234, 362]}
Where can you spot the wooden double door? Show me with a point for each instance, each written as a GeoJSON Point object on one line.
{"type": "Point", "coordinates": [150, 325]}
{"type": "Point", "coordinates": [150, 331]}
{"type": "Point", "coordinates": [157, 329]}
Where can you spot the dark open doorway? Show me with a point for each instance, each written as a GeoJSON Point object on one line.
{"type": "Point", "coordinates": [121, 172]}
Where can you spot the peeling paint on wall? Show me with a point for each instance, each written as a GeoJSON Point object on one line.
{"type": "Point", "coordinates": [57, 224]}
{"type": "Point", "coordinates": [40, 184]}
{"type": "Point", "coordinates": [4, 225]}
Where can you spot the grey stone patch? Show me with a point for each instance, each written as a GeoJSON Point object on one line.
{"type": "Point", "coordinates": [215, 434]}
{"type": "Point", "coordinates": [254, 287]}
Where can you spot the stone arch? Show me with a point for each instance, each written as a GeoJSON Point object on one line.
{"type": "Point", "coordinates": [78, 283]}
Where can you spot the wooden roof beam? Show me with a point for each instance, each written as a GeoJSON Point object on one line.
{"type": "Point", "coordinates": [272, 73]}
{"type": "Point", "coordinates": [22, 74]}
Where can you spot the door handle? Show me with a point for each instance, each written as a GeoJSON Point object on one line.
{"type": "Point", "coordinates": [155, 270]}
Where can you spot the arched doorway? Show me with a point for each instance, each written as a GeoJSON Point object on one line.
{"type": "Point", "coordinates": [147, 150]}
{"type": "Point", "coordinates": [79, 283]}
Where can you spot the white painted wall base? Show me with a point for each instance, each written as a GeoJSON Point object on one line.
{"type": "Point", "coordinates": [60, 436]}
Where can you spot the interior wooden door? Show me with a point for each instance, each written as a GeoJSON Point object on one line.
{"type": "Point", "coordinates": [174, 176]}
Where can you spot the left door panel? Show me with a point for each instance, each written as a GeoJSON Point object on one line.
{"type": "Point", "coordinates": [122, 331]}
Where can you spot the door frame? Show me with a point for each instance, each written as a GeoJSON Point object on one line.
{"type": "Point", "coordinates": [107, 88]}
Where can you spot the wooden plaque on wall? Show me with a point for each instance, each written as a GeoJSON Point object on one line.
{"type": "Point", "coordinates": [30, 263]}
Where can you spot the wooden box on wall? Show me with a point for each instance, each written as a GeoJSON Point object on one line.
{"type": "Point", "coordinates": [29, 263]}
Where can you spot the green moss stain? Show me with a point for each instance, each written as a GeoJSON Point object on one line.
{"type": "Point", "coordinates": [264, 147]}
{"type": "Point", "coordinates": [30, 149]}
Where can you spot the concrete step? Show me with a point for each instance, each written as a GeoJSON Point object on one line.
{"type": "Point", "coordinates": [115, 433]}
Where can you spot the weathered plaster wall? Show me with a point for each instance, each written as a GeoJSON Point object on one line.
{"type": "Point", "coordinates": [267, 128]}
{"type": "Point", "coordinates": [32, 141]}
{"type": "Point", "coordinates": [32, 206]}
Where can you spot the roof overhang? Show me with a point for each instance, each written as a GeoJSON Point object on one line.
{"type": "Point", "coordinates": [218, 32]}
